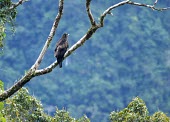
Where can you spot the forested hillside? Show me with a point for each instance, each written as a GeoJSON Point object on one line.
{"type": "Point", "coordinates": [128, 57]}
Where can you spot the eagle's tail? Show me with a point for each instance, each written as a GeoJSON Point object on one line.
{"type": "Point", "coordinates": [59, 60]}
{"type": "Point", "coordinates": [60, 64]}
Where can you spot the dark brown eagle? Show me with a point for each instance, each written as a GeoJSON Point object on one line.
{"type": "Point", "coordinates": [61, 48]}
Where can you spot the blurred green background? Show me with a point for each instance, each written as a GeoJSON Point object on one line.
{"type": "Point", "coordinates": [128, 57]}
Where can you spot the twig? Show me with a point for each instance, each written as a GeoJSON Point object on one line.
{"type": "Point", "coordinates": [155, 3]}
{"type": "Point", "coordinates": [149, 6]}
{"type": "Point", "coordinates": [14, 5]}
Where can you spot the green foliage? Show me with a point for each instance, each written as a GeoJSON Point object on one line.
{"type": "Point", "coordinates": [63, 116]}
{"type": "Point", "coordinates": [160, 117]}
{"type": "Point", "coordinates": [23, 107]}
{"type": "Point", "coordinates": [83, 119]}
{"type": "Point", "coordinates": [2, 119]}
{"type": "Point", "coordinates": [6, 13]}
{"type": "Point", "coordinates": [2, 34]}
{"type": "Point", "coordinates": [137, 111]}
{"type": "Point", "coordinates": [7, 16]}
{"type": "Point", "coordinates": [1, 86]}
{"type": "Point", "coordinates": [138, 106]}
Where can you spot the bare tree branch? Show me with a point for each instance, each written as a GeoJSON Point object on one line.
{"type": "Point", "coordinates": [107, 11]}
{"type": "Point", "coordinates": [155, 2]}
{"type": "Point", "coordinates": [148, 6]}
{"type": "Point", "coordinates": [34, 69]}
{"type": "Point", "coordinates": [91, 18]}
{"type": "Point", "coordinates": [31, 73]}
{"type": "Point", "coordinates": [14, 5]}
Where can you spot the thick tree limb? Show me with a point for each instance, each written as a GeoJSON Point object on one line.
{"type": "Point", "coordinates": [34, 69]}
{"type": "Point", "coordinates": [16, 86]}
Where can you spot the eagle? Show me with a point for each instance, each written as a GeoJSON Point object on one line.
{"type": "Point", "coordinates": [61, 48]}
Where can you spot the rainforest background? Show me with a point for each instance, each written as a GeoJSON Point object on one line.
{"type": "Point", "coordinates": [128, 57]}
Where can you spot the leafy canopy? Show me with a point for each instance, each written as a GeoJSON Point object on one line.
{"type": "Point", "coordinates": [137, 111]}
{"type": "Point", "coordinates": [24, 107]}
{"type": "Point", "coordinates": [7, 16]}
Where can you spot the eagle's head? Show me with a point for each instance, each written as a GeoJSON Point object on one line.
{"type": "Point", "coordinates": [65, 35]}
